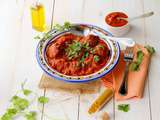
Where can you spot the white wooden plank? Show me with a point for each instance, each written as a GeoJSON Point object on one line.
{"type": "Point", "coordinates": [94, 12]}
{"type": "Point", "coordinates": [152, 34]}
{"type": "Point", "coordinates": [62, 106]}
{"type": "Point", "coordinates": [26, 66]}
{"type": "Point", "coordinates": [87, 100]}
{"type": "Point", "coordinates": [9, 32]}
{"type": "Point", "coordinates": [67, 110]}
{"type": "Point", "coordinates": [68, 10]}
{"type": "Point", "coordinates": [137, 107]}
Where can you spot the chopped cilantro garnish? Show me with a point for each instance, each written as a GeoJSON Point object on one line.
{"type": "Point", "coordinates": [101, 46]}
{"type": "Point", "coordinates": [96, 58]}
{"type": "Point", "coordinates": [123, 107]}
{"type": "Point", "coordinates": [81, 61]}
{"type": "Point", "coordinates": [73, 49]}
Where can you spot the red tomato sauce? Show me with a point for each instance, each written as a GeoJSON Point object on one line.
{"type": "Point", "coordinates": [77, 55]}
{"type": "Point", "coordinates": [112, 19]}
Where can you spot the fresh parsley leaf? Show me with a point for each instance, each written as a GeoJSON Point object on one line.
{"type": "Point", "coordinates": [73, 49]}
{"type": "Point", "coordinates": [139, 56]}
{"type": "Point", "coordinates": [37, 37]}
{"type": "Point", "coordinates": [134, 66]}
{"type": "Point", "coordinates": [26, 92]}
{"type": "Point", "coordinates": [43, 99]}
{"type": "Point", "coordinates": [123, 107]}
{"type": "Point", "coordinates": [150, 49]}
{"type": "Point", "coordinates": [58, 27]}
{"type": "Point", "coordinates": [47, 35]}
{"type": "Point", "coordinates": [20, 103]}
{"type": "Point", "coordinates": [31, 116]}
{"type": "Point", "coordinates": [10, 113]}
{"type": "Point", "coordinates": [96, 58]}
{"type": "Point", "coordinates": [65, 26]}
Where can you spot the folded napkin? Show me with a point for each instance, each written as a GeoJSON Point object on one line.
{"type": "Point", "coordinates": [136, 79]}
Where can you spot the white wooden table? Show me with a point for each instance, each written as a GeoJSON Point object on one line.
{"type": "Point", "coordinates": [18, 62]}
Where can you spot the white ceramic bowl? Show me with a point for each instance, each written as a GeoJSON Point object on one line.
{"type": "Point", "coordinates": [78, 28]}
{"type": "Point", "coordinates": [118, 30]}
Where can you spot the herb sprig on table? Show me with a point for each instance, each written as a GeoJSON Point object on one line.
{"type": "Point", "coordinates": [19, 105]}
{"type": "Point", "coordinates": [57, 27]}
{"type": "Point", "coordinates": [65, 26]}
{"type": "Point", "coordinates": [124, 107]}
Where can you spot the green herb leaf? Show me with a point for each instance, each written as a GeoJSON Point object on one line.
{"type": "Point", "coordinates": [58, 27]}
{"type": "Point", "coordinates": [10, 113]}
{"type": "Point", "coordinates": [27, 92]}
{"type": "Point", "coordinates": [139, 56]}
{"type": "Point", "coordinates": [19, 103]}
{"type": "Point", "coordinates": [43, 99]}
{"type": "Point", "coordinates": [101, 46]}
{"type": "Point", "coordinates": [47, 35]}
{"type": "Point", "coordinates": [96, 58]}
{"type": "Point", "coordinates": [37, 37]}
{"type": "Point", "coordinates": [73, 49]}
{"type": "Point", "coordinates": [65, 26]}
{"type": "Point", "coordinates": [31, 116]}
{"type": "Point", "coordinates": [134, 66]}
{"type": "Point", "coordinates": [150, 49]}
{"type": "Point", "coordinates": [123, 107]}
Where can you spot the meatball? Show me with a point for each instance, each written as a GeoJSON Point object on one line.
{"type": "Point", "coordinates": [92, 40]}
{"type": "Point", "coordinates": [55, 50]}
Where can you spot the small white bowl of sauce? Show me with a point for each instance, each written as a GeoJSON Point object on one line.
{"type": "Point", "coordinates": [117, 27]}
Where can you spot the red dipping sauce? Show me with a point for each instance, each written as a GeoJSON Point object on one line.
{"type": "Point", "coordinates": [113, 20]}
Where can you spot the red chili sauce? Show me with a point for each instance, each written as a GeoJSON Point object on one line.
{"type": "Point", "coordinates": [113, 19]}
{"type": "Point", "coordinates": [77, 55]}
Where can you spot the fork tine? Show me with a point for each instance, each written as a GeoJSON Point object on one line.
{"type": "Point", "coordinates": [128, 54]}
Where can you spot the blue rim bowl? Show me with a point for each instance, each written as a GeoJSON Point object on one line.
{"type": "Point", "coordinates": [41, 57]}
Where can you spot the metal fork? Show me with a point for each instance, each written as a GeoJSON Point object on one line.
{"type": "Point", "coordinates": [128, 58]}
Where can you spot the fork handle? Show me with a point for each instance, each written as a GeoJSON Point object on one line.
{"type": "Point", "coordinates": [124, 86]}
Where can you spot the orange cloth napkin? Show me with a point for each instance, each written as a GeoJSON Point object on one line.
{"type": "Point", "coordinates": [136, 79]}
